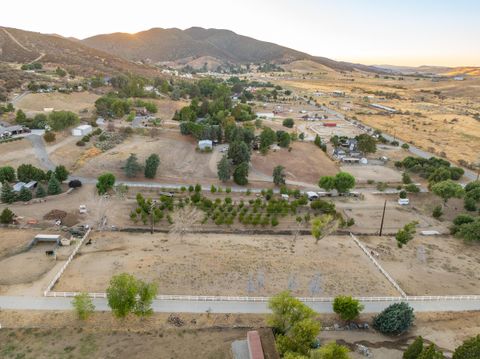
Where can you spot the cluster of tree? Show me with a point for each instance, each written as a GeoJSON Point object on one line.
{"type": "Point", "coordinates": [112, 105]}
{"type": "Point", "coordinates": [469, 349]}
{"type": "Point", "coordinates": [466, 227]}
{"type": "Point", "coordinates": [269, 67]}
{"type": "Point", "coordinates": [7, 108]}
{"type": "Point", "coordinates": [56, 120]}
{"type": "Point", "coordinates": [342, 182]}
{"type": "Point", "coordinates": [149, 210]}
{"type": "Point", "coordinates": [130, 86]}
{"type": "Point", "coordinates": [434, 169]}
{"type": "Point", "coordinates": [32, 66]}
{"type": "Point", "coordinates": [269, 137]}
{"type": "Point", "coordinates": [27, 173]}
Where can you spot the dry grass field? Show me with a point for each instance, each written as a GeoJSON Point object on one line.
{"type": "Point", "coordinates": [440, 115]}
{"type": "Point", "coordinates": [75, 102]}
{"type": "Point", "coordinates": [17, 152]}
{"type": "Point", "coordinates": [305, 163]}
{"type": "Point", "coordinates": [430, 265]}
{"type": "Point", "coordinates": [250, 265]}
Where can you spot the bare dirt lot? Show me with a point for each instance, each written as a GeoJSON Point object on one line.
{"type": "Point", "coordinates": [363, 173]}
{"type": "Point", "coordinates": [17, 152]}
{"type": "Point", "coordinates": [75, 102]}
{"type": "Point", "coordinates": [178, 158]}
{"type": "Point", "coordinates": [305, 163]}
{"type": "Point", "coordinates": [367, 214]}
{"type": "Point", "coordinates": [250, 265]}
{"type": "Point", "coordinates": [430, 265]}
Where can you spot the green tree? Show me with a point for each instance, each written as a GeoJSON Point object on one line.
{"type": "Point", "coordinates": [60, 120]}
{"type": "Point", "coordinates": [122, 294]}
{"type": "Point", "coordinates": [40, 193]}
{"type": "Point", "coordinates": [395, 319]}
{"type": "Point", "coordinates": [146, 294]}
{"type": "Point", "coordinates": [239, 152]}
{"type": "Point", "coordinates": [27, 173]}
{"type": "Point", "coordinates": [6, 217]}
{"type": "Point", "coordinates": [406, 179]}
{"type": "Point", "coordinates": [288, 122]}
{"type": "Point", "coordinates": [267, 138]}
{"type": "Point", "coordinates": [132, 167]}
{"type": "Point", "coordinates": [330, 351]}
{"type": "Point", "coordinates": [327, 183]}
{"type": "Point", "coordinates": [24, 195]}
{"type": "Point", "coordinates": [54, 187]}
{"type": "Point", "coordinates": [7, 195]}
{"type": "Point", "coordinates": [240, 174]}
{"type": "Point", "coordinates": [7, 174]}
{"type": "Point", "coordinates": [294, 323]}
{"type": "Point", "coordinates": [224, 169]}
{"type": "Point", "coordinates": [20, 117]}
{"type": "Point", "coordinates": [414, 349]}
{"type": "Point", "coordinates": [61, 173]}
{"type": "Point", "coordinates": [283, 139]}
{"type": "Point", "coordinates": [470, 349]}
{"type": "Point", "coordinates": [366, 143]}
{"type": "Point", "coordinates": [279, 175]}
{"type": "Point", "coordinates": [151, 165]}
{"type": "Point", "coordinates": [347, 308]}
{"type": "Point", "coordinates": [319, 224]}
{"type": "Point", "coordinates": [448, 189]}
{"type": "Point", "coordinates": [83, 305]}
{"type": "Point", "coordinates": [344, 182]}
{"type": "Point", "coordinates": [406, 234]}
{"type": "Point", "coordinates": [105, 182]}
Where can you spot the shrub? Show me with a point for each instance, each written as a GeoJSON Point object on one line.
{"type": "Point", "coordinates": [403, 194]}
{"type": "Point", "coordinates": [49, 136]}
{"type": "Point", "coordinates": [412, 188]}
{"type": "Point", "coordinates": [41, 193]}
{"type": "Point", "coordinates": [83, 305]}
{"type": "Point", "coordinates": [406, 179]}
{"type": "Point", "coordinates": [437, 212]}
{"type": "Point", "coordinates": [80, 143]}
{"type": "Point", "coordinates": [394, 320]}
{"type": "Point", "coordinates": [347, 308]}
{"type": "Point", "coordinates": [405, 146]}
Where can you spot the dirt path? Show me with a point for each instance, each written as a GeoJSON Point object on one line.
{"type": "Point", "coordinates": [15, 40]}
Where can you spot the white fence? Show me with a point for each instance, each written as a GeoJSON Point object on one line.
{"type": "Point", "coordinates": [199, 298]}
{"type": "Point", "coordinates": [380, 268]}
{"type": "Point", "coordinates": [46, 293]}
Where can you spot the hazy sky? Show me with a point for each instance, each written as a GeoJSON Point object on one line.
{"type": "Point", "coordinates": [401, 32]}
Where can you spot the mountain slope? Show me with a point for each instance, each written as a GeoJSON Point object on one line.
{"type": "Point", "coordinates": [162, 45]}
{"type": "Point", "coordinates": [25, 46]}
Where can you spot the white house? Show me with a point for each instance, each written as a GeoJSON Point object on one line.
{"type": "Point", "coordinates": [82, 130]}
{"type": "Point", "coordinates": [204, 144]}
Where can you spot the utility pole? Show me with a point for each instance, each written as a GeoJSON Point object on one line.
{"type": "Point", "coordinates": [383, 217]}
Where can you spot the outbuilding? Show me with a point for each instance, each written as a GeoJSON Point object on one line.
{"type": "Point", "coordinates": [205, 144]}
{"type": "Point", "coordinates": [82, 130]}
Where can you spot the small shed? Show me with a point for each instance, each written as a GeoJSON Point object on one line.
{"type": "Point", "coordinates": [31, 185]}
{"type": "Point", "coordinates": [82, 130]}
{"type": "Point", "coordinates": [205, 144]}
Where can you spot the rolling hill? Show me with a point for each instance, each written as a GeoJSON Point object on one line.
{"type": "Point", "coordinates": [159, 45]}
{"type": "Point", "coordinates": [18, 46]}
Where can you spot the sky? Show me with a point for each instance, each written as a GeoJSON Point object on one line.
{"type": "Point", "coordinates": [398, 32]}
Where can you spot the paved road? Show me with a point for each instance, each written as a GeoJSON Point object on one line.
{"type": "Point", "coordinates": [219, 306]}
{"type": "Point", "coordinates": [41, 152]}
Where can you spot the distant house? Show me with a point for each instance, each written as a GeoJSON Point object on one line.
{"type": "Point", "coordinates": [459, 78]}
{"type": "Point", "coordinates": [266, 115]}
{"type": "Point", "coordinates": [82, 130]}
{"type": "Point", "coordinates": [383, 108]}
{"type": "Point", "coordinates": [205, 144]}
